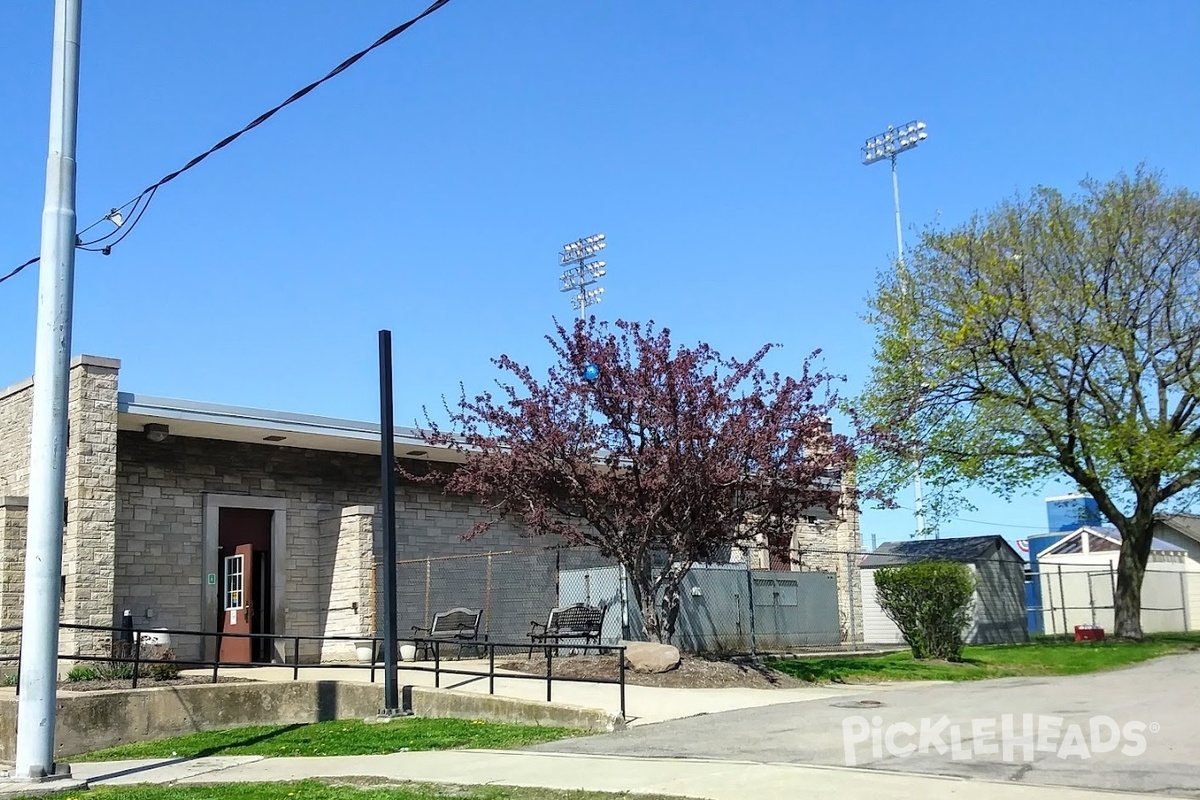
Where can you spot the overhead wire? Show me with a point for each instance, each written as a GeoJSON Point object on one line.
{"type": "Point", "coordinates": [984, 522]}
{"type": "Point", "coordinates": [146, 195]}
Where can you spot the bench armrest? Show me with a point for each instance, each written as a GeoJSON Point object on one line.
{"type": "Point", "coordinates": [417, 628]}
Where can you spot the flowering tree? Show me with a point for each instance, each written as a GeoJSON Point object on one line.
{"type": "Point", "coordinates": [659, 456]}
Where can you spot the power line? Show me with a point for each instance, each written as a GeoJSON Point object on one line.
{"type": "Point", "coordinates": [142, 201]}
{"type": "Point", "coordinates": [985, 522]}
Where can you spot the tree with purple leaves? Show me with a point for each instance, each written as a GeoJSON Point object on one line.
{"type": "Point", "coordinates": [660, 456]}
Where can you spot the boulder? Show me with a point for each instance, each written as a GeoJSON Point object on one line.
{"type": "Point", "coordinates": [650, 657]}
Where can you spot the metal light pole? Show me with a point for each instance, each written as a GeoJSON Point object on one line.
{"type": "Point", "coordinates": [387, 480]}
{"type": "Point", "coordinates": [888, 145]}
{"type": "Point", "coordinates": [583, 271]}
{"type": "Point", "coordinates": [48, 434]}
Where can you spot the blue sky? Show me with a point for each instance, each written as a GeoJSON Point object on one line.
{"type": "Point", "coordinates": [427, 190]}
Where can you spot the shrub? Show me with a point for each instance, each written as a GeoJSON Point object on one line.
{"type": "Point", "coordinates": [113, 671]}
{"type": "Point", "coordinates": [165, 670]}
{"type": "Point", "coordinates": [931, 604]}
{"type": "Point", "coordinates": [10, 679]}
{"type": "Point", "coordinates": [81, 673]}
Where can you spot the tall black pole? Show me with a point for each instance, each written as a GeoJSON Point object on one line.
{"type": "Point", "coordinates": [387, 474]}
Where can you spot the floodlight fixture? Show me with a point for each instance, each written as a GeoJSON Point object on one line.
{"type": "Point", "coordinates": [583, 270]}
{"type": "Point", "coordinates": [893, 141]}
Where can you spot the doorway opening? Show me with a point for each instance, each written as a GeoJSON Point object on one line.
{"type": "Point", "coordinates": [244, 583]}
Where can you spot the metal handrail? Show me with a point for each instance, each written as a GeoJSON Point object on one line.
{"type": "Point", "coordinates": [132, 635]}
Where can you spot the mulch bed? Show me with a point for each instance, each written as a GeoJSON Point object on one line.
{"type": "Point", "coordinates": [143, 683]}
{"type": "Point", "coordinates": [693, 672]}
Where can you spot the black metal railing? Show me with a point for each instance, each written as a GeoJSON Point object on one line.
{"type": "Point", "coordinates": [126, 648]}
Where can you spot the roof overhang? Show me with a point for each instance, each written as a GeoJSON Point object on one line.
{"type": "Point", "coordinates": [271, 428]}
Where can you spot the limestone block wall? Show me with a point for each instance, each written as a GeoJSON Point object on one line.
{"type": "Point", "coordinates": [90, 541]}
{"type": "Point", "coordinates": [90, 492]}
{"type": "Point", "coordinates": [12, 569]}
{"type": "Point", "coordinates": [159, 520]}
{"type": "Point", "coordinates": [16, 406]}
{"type": "Point", "coordinates": [835, 546]}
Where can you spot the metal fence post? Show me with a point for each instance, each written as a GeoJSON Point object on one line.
{"type": "Point", "coordinates": [217, 658]}
{"type": "Point", "coordinates": [1062, 599]}
{"type": "Point", "coordinates": [428, 589]}
{"type": "Point", "coordinates": [487, 596]}
{"type": "Point", "coordinates": [137, 657]}
{"type": "Point", "coordinates": [621, 678]}
{"type": "Point", "coordinates": [1183, 602]}
{"type": "Point", "coordinates": [750, 602]}
{"type": "Point", "coordinates": [296, 659]}
{"type": "Point", "coordinates": [549, 670]}
{"type": "Point", "coordinates": [853, 601]}
{"type": "Point", "coordinates": [1091, 599]}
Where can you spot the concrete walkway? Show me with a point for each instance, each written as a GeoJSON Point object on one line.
{"type": "Point", "coordinates": [716, 780]}
{"type": "Point", "coordinates": [644, 704]}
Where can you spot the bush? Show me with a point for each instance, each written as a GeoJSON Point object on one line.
{"type": "Point", "coordinates": [10, 679]}
{"type": "Point", "coordinates": [113, 671]}
{"type": "Point", "coordinates": [931, 604]}
{"type": "Point", "coordinates": [83, 673]}
{"type": "Point", "coordinates": [165, 670]}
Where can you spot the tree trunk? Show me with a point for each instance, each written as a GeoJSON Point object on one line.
{"type": "Point", "coordinates": [658, 618]}
{"type": "Point", "coordinates": [1136, 541]}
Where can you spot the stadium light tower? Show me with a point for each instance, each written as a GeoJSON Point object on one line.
{"type": "Point", "coordinates": [583, 270]}
{"type": "Point", "coordinates": [888, 145]}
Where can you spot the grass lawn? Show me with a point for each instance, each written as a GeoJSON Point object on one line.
{"type": "Point", "coordinates": [339, 738]}
{"type": "Point", "coordinates": [1039, 657]}
{"type": "Point", "coordinates": [314, 790]}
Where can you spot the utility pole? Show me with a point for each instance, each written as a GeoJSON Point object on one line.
{"type": "Point", "coordinates": [48, 437]}
{"type": "Point", "coordinates": [890, 144]}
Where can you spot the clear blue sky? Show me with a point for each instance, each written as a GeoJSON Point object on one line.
{"type": "Point", "coordinates": [428, 189]}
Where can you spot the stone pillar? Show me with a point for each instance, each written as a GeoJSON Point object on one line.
{"type": "Point", "coordinates": [89, 547]}
{"type": "Point", "coordinates": [351, 607]}
{"type": "Point", "coordinates": [13, 519]}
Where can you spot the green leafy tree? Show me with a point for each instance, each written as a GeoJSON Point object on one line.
{"type": "Point", "coordinates": [930, 602]}
{"type": "Point", "coordinates": [1050, 336]}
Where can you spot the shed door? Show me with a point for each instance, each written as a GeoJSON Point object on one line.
{"type": "Point", "coordinates": [878, 628]}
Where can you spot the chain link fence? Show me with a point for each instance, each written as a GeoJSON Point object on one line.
{"type": "Point", "coordinates": [723, 607]}
{"type": "Point", "coordinates": [1063, 596]}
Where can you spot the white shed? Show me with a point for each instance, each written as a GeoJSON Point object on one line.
{"type": "Point", "coordinates": [999, 609]}
{"type": "Point", "coordinates": [1078, 575]}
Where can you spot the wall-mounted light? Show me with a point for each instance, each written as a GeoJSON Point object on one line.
{"type": "Point", "coordinates": [417, 453]}
{"type": "Point", "coordinates": [156, 432]}
{"type": "Point", "coordinates": [275, 437]}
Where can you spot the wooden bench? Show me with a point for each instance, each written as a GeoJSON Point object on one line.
{"type": "Point", "coordinates": [579, 621]}
{"type": "Point", "coordinates": [458, 625]}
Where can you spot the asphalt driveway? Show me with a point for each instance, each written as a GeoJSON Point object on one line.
{"type": "Point", "coordinates": [1136, 729]}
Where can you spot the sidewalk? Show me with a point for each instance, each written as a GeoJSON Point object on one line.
{"type": "Point", "coordinates": [715, 780]}
{"type": "Point", "coordinates": [644, 704]}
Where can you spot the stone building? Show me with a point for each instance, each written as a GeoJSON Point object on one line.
{"type": "Point", "coordinates": [200, 517]}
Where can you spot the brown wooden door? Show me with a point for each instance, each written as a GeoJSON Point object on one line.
{"type": "Point", "coordinates": [237, 608]}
